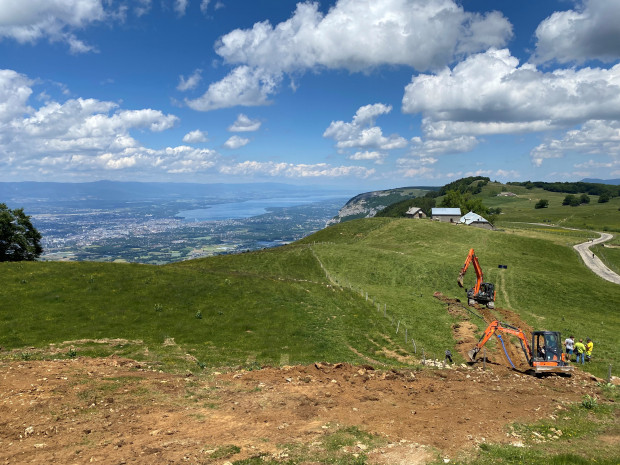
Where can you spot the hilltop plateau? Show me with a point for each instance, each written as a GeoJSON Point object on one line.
{"type": "Point", "coordinates": [326, 350]}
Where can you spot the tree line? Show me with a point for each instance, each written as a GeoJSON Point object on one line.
{"type": "Point", "coordinates": [590, 188]}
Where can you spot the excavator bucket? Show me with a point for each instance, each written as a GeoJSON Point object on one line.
{"type": "Point", "coordinates": [460, 279]}
{"type": "Point", "coordinates": [472, 354]}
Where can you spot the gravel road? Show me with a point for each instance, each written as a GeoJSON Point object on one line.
{"type": "Point", "coordinates": [595, 263]}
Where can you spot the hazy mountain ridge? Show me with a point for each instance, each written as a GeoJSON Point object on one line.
{"type": "Point", "coordinates": [613, 182]}
{"type": "Point", "coordinates": [29, 193]}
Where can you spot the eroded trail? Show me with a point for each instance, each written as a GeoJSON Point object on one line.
{"type": "Point", "coordinates": [465, 331]}
{"type": "Point", "coordinates": [119, 411]}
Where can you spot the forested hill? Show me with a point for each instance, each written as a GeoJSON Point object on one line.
{"type": "Point", "coordinates": [580, 187]}
{"type": "Point", "coordinates": [368, 204]}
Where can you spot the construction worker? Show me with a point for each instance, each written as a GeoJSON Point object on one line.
{"type": "Point", "coordinates": [580, 349]}
{"type": "Point", "coordinates": [589, 347]}
{"type": "Point", "coordinates": [448, 356]}
{"type": "Point", "coordinates": [570, 346]}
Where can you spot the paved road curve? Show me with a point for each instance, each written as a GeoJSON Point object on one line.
{"type": "Point", "coordinates": [595, 263]}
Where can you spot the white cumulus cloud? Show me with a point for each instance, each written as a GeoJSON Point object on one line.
{"type": "Point", "coordinates": [290, 170]}
{"type": "Point", "coordinates": [244, 124]}
{"type": "Point", "coordinates": [360, 34]}
{"type": "Point", "coordinates": [180, 6]}
{"type": "Point", "coordinates": [193, 137]}
{"type": "Point", "coordinates": [75, 135]}
{"type": "Point", "coordinates": [595, 137]}
{"type": "Point", "coordinates": [55, 20]}
{"type": "Point", "coordinates": [435, 147]}
{"type": "Point", "coordinates": [360, 133]}
{"type": "Point", "coordinates": [356, 35]}
{"type": "Point", "coordinates": [143, 7]}
{"type": "Point", "coordinates": [243, 86]}
{"type": "Point", "coordinates": [204, 6]}
{"type": "Point", "coordinates": [15, 90]}
{"type": "Point", "coordinates": [590, 31]}
{"type": "Point", "coordinates": [377, 157]}
{"type": "Point", "coordinates": [490, 93]}
{"type": "Point", "coordinates": [491, 87]}
{"type": "Point", "coordinates": [191, 82]}
{"type": "Point", "coordinates": [235, 142]}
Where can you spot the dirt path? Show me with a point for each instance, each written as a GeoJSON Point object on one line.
{"type": "Point", "coordinates": [595, 263]}
{"type": "Point", "coordinates": [118, 411]}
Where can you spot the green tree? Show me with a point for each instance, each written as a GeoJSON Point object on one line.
{"type": "Point", "coordinates": [571, 200]}
{"type": "Point", "coordinates": [584, 198]}
{"type": "Point", "coordinates": [453, 199]}
{"type": "Point", "coordinates": [466, 202]}
{"type": "Point", "coordinates": [542, 203]}
{"type": "Point", "coordinates": [19, 239]}
{"type": "Point", "coordinates": [604, 197]}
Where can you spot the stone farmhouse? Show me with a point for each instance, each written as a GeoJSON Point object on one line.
{"type": "Point", "coordinates": [446, 215]}
{"type": "Point", "coordinates": [415, 212]}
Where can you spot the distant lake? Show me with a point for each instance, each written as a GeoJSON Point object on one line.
{"type": "Point", "coordinates": [247, 209]}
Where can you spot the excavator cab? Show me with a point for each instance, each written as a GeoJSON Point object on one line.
{"type": "Point", "coordinates": [547, 355]}
{"type": "Point", "coordinates": [482, 293]}
{"type": "Point", "coordinates": [546, 346]}
{"type": "Point", "coordinates": [485, 296]}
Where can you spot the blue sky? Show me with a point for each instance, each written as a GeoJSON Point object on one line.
{"type": "Point", "coordinates": [363, 94]}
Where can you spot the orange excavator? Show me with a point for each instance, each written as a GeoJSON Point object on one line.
{"type": "Point", "coordinates": [482, 293]}
{"type": "Point", "coordinates": [544, 355]}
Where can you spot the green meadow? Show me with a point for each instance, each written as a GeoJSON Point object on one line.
{"type": "Point", "coordinates": [520, 209]}
{"type": "Point", "coordinates": [359, 292]}
{"type": "Point", "coordinates": [345, 293]}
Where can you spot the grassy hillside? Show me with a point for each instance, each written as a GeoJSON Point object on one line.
{"type": "Point", "coordinates": [306, 301]}
{"type": "Point", "coordinates": [595, 216]}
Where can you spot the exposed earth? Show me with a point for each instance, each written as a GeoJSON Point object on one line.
{"type": "Point", "coordinates": [119, 411]}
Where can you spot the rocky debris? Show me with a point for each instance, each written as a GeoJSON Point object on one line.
{"type": "Point", "coordinates": [117, 410]}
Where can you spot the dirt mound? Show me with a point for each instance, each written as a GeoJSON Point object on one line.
{"type": "Point", "coordinates": [118, 411]}
{"type": "Point", "coordinates": [464, 332]}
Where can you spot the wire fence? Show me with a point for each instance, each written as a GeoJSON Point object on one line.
{"type": "Point", "coordinates": [427, 359]}
{"type": "Point", "coordinates": [405, 331]}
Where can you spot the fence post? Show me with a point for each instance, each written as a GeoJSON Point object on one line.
{"type": "Point", "coordinates": [484, 360]}
{"type": "Point", "coordinates": [405, 335]}
{"type": "Point", "coordinates": [423, 358]}
{"type": "Point", "coordinates": [415, 348]}
{"type": "Point", "coordinates": [609, 374]}
{"type": "Point", "coordinates": [397, 326]}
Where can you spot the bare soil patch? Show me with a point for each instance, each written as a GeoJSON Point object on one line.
{"type": "Point", "coordinates": [119, 411]}
{"type": "Point", "coordinates": [464, 332]}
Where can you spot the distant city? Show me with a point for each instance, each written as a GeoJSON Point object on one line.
{"type": "Point", "coordinates": [158, 224]}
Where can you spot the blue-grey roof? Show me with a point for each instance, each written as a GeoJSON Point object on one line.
{"type": "Point", "coordinates": [446, 211]}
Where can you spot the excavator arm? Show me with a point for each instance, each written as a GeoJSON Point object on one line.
{"type": "Point", "coordinates": [471, 259]}
{"type": "Point", "coordinates": [498, 326]}
{"type": "Point", "coordinates": [483, 293]}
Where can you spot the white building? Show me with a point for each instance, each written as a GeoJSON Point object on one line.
{"type": "Point", "coordinates": [473, 219]}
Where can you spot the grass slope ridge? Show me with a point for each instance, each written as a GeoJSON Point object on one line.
{"type": "Point", "coordinates": [307, 301]}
